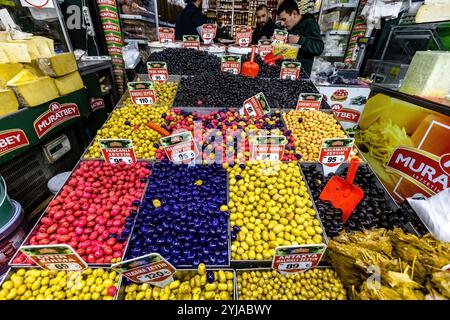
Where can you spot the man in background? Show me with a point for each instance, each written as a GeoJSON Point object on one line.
{"type": "Point", "coordinates": [190, 20]}
{"type": "Point", "coordinates": [264, 24]}
{"type": "Point", "coordinates": [303, 30]}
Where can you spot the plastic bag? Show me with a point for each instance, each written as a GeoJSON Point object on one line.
{"type": "Point", "coordinates": [435, 214]}
{"type": "Point", "coordinates": [131, 54]}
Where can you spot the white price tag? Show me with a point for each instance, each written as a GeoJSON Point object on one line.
{"type": "Point", "coordinates": [159, 77]}
{"type": "Point", "coordinates": [231, 70]}
{"type": "Point", "coordinates": [144, 100]}
{"type": "Point", "coordinates": [244, 41]}
{"type": "Point", "coordinates": [115, 160]}
{"type": "Point", "coordinates": [208, 36]}
{"type": "Point", "coordinates": [251, 111]}
{"type": "Point", "coordinates": [182, 156]}
{"type": "Point", "coordinates": [294, 266]}
{"type": "Point", "coordinates": [267, 156]}
{"type": "Point", "coordinates": [288, 77]}
{"type": "Point", "coordinates": [333, 159]}
{"type": "Point", "coordinates": [64, 266]}
{"type": "Point", "coordinates": [149, 277]}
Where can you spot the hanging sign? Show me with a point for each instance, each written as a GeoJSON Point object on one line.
{"type": "Point", "coordinates": [157, 71]}
{"type": "Point", "coordinates": [256, 106]}
{"type": "Point", "coordinates": [116, 151]}
{"type": "Point", "coordinates": [180, 147]}
{"type": "Point", "coordinates": [59, 257]}
{"type": "Point", "coordinates": [299, 258]}
{"type": "Point", "coordinates": [231, 64]}
{"type": "Point", "coordinates": [309, 101]}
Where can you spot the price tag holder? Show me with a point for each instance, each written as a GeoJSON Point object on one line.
{"type": "Point", "coordinates": [142, 93]}
{"type": "Point", "coordinates": [157, 71]}
{"type": "Point", "coordinates": [116, 151]}
{"type": "Point", "coordinates": [334, 152]}
{"type": "Point", "coordinates": [180, 147]}
{"type": "Point", "coordinates": [209, 32]}
{"type": "Point", "coordinates": [268, 148]}
{"type": "Point", "coordinates": [243, 36]}
{"type": "Point", "coordinates": [280, 36]}
{"type": "Point", "coordinates": [60, 257]}
{"type": "Point", "coordinates": [231, 64]}
{"type": "Point", "coordinates": [256, 106]}
{"type": "Point", "coordinates": [191, 42]}
{"type": "Point", "coordinates": [265, 47]}
{"type": "Point", "coordinates": [290, 70]}
{"type": "Point", "coordinates": [309, 101]}
{"type": "Point", "coordinates": [295, 259]}
{"type": "Point", "coordinates": [166, 35]}
{"type": "Point", "coordinates": [151, 268]}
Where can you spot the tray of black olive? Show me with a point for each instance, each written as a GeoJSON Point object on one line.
{"type": "Point", "coordinates": [376, 210]}
{"type": "Point", "coordinates": [414, 220]}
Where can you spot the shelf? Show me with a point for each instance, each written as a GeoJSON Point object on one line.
{"type": "Point", "coordinates": [339, 6]}
{"type": "Point", "coordinates": [137, 17]}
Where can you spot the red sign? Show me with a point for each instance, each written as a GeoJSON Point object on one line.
{"type": "Point", "coordinates": [290, 70]}
{"type": "Point", "coordinates": [56, 115]}
{"type": "Point", "coordinates": [111, 26]}
{"type": "Point", "coordinates": [116, 39]}
{"type": "Point", "coordinates": [421, 167]}
{"type": "Point", "coordinates": [59, 257]}
{"type": "Point", "coordinates": [298, 258]}
{"type": "Point", "coordinates": [111, 3]}
{"type": "Point", "coordinates": [97, 104]}
{"type": "Point", "coordinates": [309, 101]}
{"type": "Point", "coordinates": [166, 35]}
{"type": "Point", "coordinates": [444, 162]}
{"type": "Point", "coordinates": [11, 140]}
{"type": "Point", "coordinates": [347, 115]}
{"type": "Point", "coordinates": [157, 71]}
{"type": "Point", "coordinates": [335, 151]}
{"type": "Point", "coordinates": [243, 36]}
{"type": "Point", "coordinates": [143, 97]}
{"type": "Point", "coordinates": [209, 32]}
{"type": "Point", "coordinates": [180, 147]}
{"type": "Point", "coordinates": [118, 155]}
{"type": "Point", "coordinates": [267, 152]}
{"type": "Point", "coordinates": [107, 14]}
{"type": "Point", "coordinates": [253, 106]}
{"type": "Point", "coordinates": [231, 64]}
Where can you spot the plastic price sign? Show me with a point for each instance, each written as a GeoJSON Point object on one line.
{"type": "Point", "coordinates": [256, 106]}
{"type": "Point", "coordinates": [142, 93]}
{"type": "Point", "coordinates": [243, 36]}
{"type": "Point", "coordinates": [280, 36]}
{"type": "Point", "coordinates": [265, 47]}
{"type": "Point", "coordinates": [231, 64]}
{"type": "Point", "coordinates": [180, 147]}
{"type": "Point", "coordinates": [290, 70]}
{"type": "Point", "coordinates": [267, 148]}
{"type": "Point", "coordinates": [295, 259]}
{"type": "Point", "coordinates": [209, 32]}
{"type": "Point", "coordinates": [309, 101]}
{"type": "Point", "coordinates": [334, 152]}
{"type": "Point", "coordinates": [166, 35]}
{"type": "Point", "coordinates": [157, 71]}
{"type": "Point", "coordinates": [116, 151]}
{"type": "Point", "coordinates": [60, 257]}
{"type": "Point", "coordinates": [151, 268]}
{"type": "Point", "coordinates": [191, 42]}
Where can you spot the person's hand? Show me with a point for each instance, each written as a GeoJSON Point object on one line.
{"type": "Point", "coordinates": [293, 39]}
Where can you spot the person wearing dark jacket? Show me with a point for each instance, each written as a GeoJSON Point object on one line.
{"type": "Point", "coordinates": [190, 20]}
{"type": "Point", "coordinates": [264, 25]}
{"type": "Point", "coordinates": [303, 30]}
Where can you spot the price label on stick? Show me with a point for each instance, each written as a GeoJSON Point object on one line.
{"type": "Point", "coordinates": [267, 148]}
{"type": "Point", "coordinates": [280, 36]}
{"type": "Point", "coordinates": [191, 42]}
{"type": "Point", "coordinates": [295, 259]}
{"type": "Point", "coordinates": [166, 35]}
{"type": "Point", "coordinates": [116, 151]}
{"type": "Point", "coordinates": [334, 152]}
{"type": "Point", "coordinates": [157, 71]}
{"type": "Point", "coordinates": [256, 106]}
{"type": "Point", "coordinates": [151, 268]}
{"type": "Point", "coordinates": [309, 101]}
{"type": "Point", "coordinates": [290, 70]}
{"type": "Point", "coordinates": [142, 93]}
{"type": "Point", "coordinates": [180, 147]}
{"type": "Point", "coordinates": [265, 47]}
{"type": "Point", "coordinates": [59, 257]}
{"type": "Point", "coordinates": [209, 32]}
{"type": "Point", "coordinates": [231, 64]}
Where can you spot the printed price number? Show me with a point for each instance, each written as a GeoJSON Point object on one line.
{"type": "Point", "coordinates": [295, 266]}
{"type": "Point", "coordinates": [64, 266]}
{"type": "Point", "coordinates": [115, 160]}
{"type": "Point", "coordinates": [244, 40]}
{"type": "Point", "coordinates": [144, 100]}
{"type": "Point", "coordinates": [333, 159]}
{"type": "Point", "coordinates": [182, 156]}
{"type": "Point", "coordinates": [159, 77]}
{"type": "Point", "coordinates": [166, 40]}
{"type": "Point", "coordinates": [148, 277]}
{"type": "Point", "coordinates": [267, 156]}
{"type": "Point", "coordinates": [208, 35]}
{"type": "Point", "coordinates": [288, 77]}
{"type": "Point", "coordinates": [250, 110]}
{"type": "Point", "coordinates": [231, 70]}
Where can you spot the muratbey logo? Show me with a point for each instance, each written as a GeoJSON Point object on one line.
{"type": "Point", "coordinates": [347, 115]}
{"type": "Point", "coordinates": [422, 168]}
{"type": "Point", "coordinates": [11, 140]}
{"type": "Point", "coordinates": [56, 115]}
{"type": "Point", "coordinates": [97, 104]}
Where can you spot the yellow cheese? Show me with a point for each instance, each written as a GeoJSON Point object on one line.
{"type": "Point", "coordinates": [31, 46]}
{"type": "Point", "coordinates": [8, 102]}
{"type": "Point", "coordinates": [3, 57]}
{"type": "Point", "coordinates": [4, 36]}
{"type": "Point", "coordinates": [22, 76]}
{"type": "Point", "coordinates": [69, 83]}
{"type": "Point", "coordinates": [35, 92]}
{"type": "Point", "coordinates": [33, 67]}
{"type": "Point", "coordinates": [16, 52]}
{"type": "Point", "coordinates": [58, 65]}
{"type": "Point", "coordinates": [8, 71]}
{"type": "Point", "coordinates": [50, 44]}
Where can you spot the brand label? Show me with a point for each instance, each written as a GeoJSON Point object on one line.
{"type": "Point", "coordinates": [290, 70]}
{"type": "Point", "coordinates": [268, 148]}
{"type": "Point", "coordinates": [115, 39]}
{"type": "Point", "coordinates": [157, 71]}
{"type": "Point", "coordinates": [309, 101]}
{"type": "Point", "coordinates": [231, 64]}
{"type": "Point", "coordinates": [256, 106]}
{"type": "Point", "coordinates": [265, 47]}
{"type": "Point", "coordinates": [151, 268]}
{"type": "Point", "coordinates": [116, 151]}
{"type": "Point", "coordinates": [444, 162]}
{"type": "Point", "coordinates": [55, 115]}
{"type": "Point", "coordinates": [280, 36]}
{"type": "Point", "coordinates": [97, 104]}
{"type": "Point", "coordinates": [243, 36]}
{"type": "Point", "coordinates": [11, 140]}
{"type": "Point", "coordinates": [59, 257]}
{"type": "Point", "coordinates": [111, 26]}
{"type": "Point", "coordinates": [142, 93]}
{"type": "Point", "coordinates": [347, 115]}
{"type": "Point", "coordinates": [294, 259]}
{"type": "Point", "coordinates": [421, 168]}
{"type": "Point", "coordinates": [191, 42]}
{"type": "Point", "coordinates": [111, 3]}
{"type": "Point", "coordinates": [180, 147]}
{"type": "Point", "coordinates": [335, 151]}
{"type": "Point", "coordinates": [209, 32]}
{"type": "Point", "coordinates": [166, 35]}
{"type": "Point", "coordinates": [108, 14]}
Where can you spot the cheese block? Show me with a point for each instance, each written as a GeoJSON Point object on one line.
{"type": "Point", "coordinates": [22, 76]}
{"type": "Point", "coordinates": [433, 12]}
{"type": "Point", "coordinates": [16, 52]}
{"type": "Point", "coordinates": [45, 46]}
{"type": "Point", "coordinates": [3, 57]}
{"type": "Point", "coordinates": [8, 71]}
{"type": "Point", "coordinates": [4, 36]}
{"type": "Point", "coordinates": [69, 83]}
{"type": "Point", "coordinates": [58, 65]}
{"type": "Point", "coordinates": [31, 46]}
{"type": "Point", "coordinates": [8, 102]}
{"type": "Point", "coordinates": [35, 92]}
{"type": "Point", "coordinates": [33, 67]}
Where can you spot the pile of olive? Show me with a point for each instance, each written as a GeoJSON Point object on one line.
{"type": "Point", "coordinates": [372, 212]}
{"type": "Point", "coordinates": [268, 71]}
{"type": "Point", "coordinates": [313, 284]}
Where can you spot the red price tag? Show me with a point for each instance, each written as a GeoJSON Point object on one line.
{"type": "Point", "coordinates": [231, 64]}
{"type": "Point", "coordinates": [290, 70]}
{"type": "Point", "coordinates": [142, 93]}
{"type": "Point", "coordinates": [166, 35]}
{"type": "Point", "coordinates": [256, 106]}
{"type": "Point", "coordinates": [294, 259]}
{"type": "Point", "coordinates": [335, 151]}
{"type": "Point", "coordinates": [309, 101]}
{"type": "Point", "coordinates": [209, 32]}
{"type": "Point", "coordinates": [59, 257]}
{"type": "Point", "coordinates": [180, 147]}
{"type": "Point", "coordinates": [116, 151]}
{"type": "Point", "coordinates": [157, 71]}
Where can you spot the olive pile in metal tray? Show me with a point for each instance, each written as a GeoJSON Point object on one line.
{"type": "Point", "coordinates": [272, 72]}
{"type": "Point", "coordinates": [372, 212]}
{"type": "Point", "coordinates": [415, 221]}
{"type": "Point", "coordinates": [190, 62]}
{"type": "Point", "coordinates": [221, 90]}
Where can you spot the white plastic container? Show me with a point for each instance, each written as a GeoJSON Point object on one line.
{"type": "Point", "coordinates": [57, 182]}
{"type": "Point", "coordinates": [215, 49]}
{"type": "Point", "coordinates": [239, 51]}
